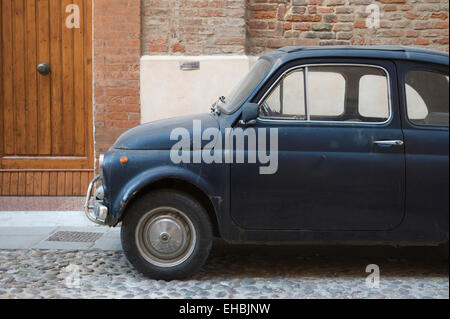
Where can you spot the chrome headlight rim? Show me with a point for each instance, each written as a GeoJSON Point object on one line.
{"type": "Point", "coordinates": [99, 193]}
{"type": "Point", "coordinates": [101, 161]}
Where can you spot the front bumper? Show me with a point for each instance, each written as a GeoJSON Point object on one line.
{"type": "Point", "coordinates": [95, 210]}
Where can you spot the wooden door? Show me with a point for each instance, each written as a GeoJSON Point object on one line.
{"type": "Point", "coordinates": [46, 134]}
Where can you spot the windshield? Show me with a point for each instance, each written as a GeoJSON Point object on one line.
{"type": "Point", "coordinates": [240, 93]}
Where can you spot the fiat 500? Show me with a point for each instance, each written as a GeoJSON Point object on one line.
{"type": "Point", "coordinates": [345, 145]}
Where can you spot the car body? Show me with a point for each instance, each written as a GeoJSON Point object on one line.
{"type": "Point", "coordinates": [362, 152]}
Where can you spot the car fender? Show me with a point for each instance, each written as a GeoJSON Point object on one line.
{"type": "Point", "coordinates": [151, 176]}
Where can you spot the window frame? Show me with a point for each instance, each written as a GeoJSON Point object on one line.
{"type": "Point", "coordinates": [305, 68]}
{"type": "Point", "coordinates": [403, 83]}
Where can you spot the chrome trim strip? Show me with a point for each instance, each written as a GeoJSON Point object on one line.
{"type": "Point", "coordinates": [306, 93]}
{"type": "Point", "coordinates": [306, 68]}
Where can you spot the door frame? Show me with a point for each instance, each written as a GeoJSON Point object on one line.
{"type": "Point", "coordinates": [45, 163]}
{"type": "Point", "coordinates": [429, 221]}
{"type": "Point", "coordinates": [394, 122]}
{"type": "Point", "coordinates": [1, 86]}
{"type": "Point", "coordinates": [58, 164]}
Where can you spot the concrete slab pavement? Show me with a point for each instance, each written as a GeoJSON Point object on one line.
{"type": "Point", "coordinates": [31, 230]}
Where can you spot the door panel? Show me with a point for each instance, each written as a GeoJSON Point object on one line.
{"type": "Point", "coordinates": [45, 126]}
{"type": "Point", "coordinates": [329, 178]}
{"type": "Point", "coordinates": [331, 175]}
{"type": "Point", "coordinates": [427, 151]}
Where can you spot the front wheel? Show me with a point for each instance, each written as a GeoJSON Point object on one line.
{"type": "Point", "coordinates": [166, 235]}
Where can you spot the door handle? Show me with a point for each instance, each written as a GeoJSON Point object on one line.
{"type": "Point", "coordinates": [43, 68]}
{"type": "Point", "coordinates": [389, 143]}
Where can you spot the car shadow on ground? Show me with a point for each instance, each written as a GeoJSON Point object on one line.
{"type": "Point", "coordinates": [331, 261]}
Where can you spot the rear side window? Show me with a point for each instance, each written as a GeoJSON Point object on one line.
{"type": "Point", "coordinates": [373, 97]}
{"type": "Point", "coordinates": [427, 97]}
{"type": "Point", "coordinates": [330, 93]}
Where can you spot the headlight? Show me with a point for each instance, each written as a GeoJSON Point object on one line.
{"type": "Point", "coordinates": [101, 160]}
{"type": "Point", "coordinates": [99, 193]}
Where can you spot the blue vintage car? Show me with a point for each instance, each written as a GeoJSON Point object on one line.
{"type": "Point", "coordinates": [315, 145]}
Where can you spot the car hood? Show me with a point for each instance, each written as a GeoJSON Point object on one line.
{"type": "Point", "coordinates": [156, 135]}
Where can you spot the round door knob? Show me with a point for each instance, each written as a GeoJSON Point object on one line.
{"type": "Point", "coordinates": [43, 68]}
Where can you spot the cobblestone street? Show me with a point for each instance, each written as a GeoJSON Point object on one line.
{"type": "Point", "coordinates": [231, 272]}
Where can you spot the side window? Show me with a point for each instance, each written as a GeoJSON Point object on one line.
{"type": "Point", "coordinates": [373, 100]}
{"type": "Point", "coordinates": [326, 89]}
{"type": "Point", "coordinates": [338, 93]}
{"type": "Point", "coordinates": [287, 99]}
{"type": "Point", "coordinates": [427, 97]}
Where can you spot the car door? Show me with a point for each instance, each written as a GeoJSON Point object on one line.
{"type": "Point", "coordinates": [341, 163]}
{"type": "Point", "coordinates": [425, 105]}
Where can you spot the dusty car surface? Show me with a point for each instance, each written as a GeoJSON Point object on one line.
{"type": "Point", "coordinates": [315, 145]}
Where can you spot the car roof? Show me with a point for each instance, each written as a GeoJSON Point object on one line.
{"type": "Point", "coordinates": [287, 54]}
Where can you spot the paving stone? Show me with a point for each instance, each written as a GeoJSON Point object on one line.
{"type": "Point", "coordinates": [231, 272]}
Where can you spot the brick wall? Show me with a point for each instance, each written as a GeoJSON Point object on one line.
{"type": "Point", "coordinates": [196, 27]}
{"type": "Point", "coordinates": [117, 53]}
{"type": "Point", "coordinates": [193, 27]}
{"type": "Point", "coordinates": [276, 23]}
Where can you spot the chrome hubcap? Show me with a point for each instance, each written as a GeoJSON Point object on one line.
{"type": "Point", "coordinates": [165, 237]}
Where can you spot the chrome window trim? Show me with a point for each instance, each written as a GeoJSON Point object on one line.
{"type": "Point", "coordinates": [306, 93]}
{"type": "Point", "coordinates": [306, 69]}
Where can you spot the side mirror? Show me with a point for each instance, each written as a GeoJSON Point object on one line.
{"type": "Point", "coordinates": [250, 113]}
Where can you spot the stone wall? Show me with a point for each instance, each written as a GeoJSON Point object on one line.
{"type": "Point", "coordinates": [204, 27]}
{"type": "Point", "coordinates": [193, 27]}
{"type": "Point", "coordinates": [276, 23]}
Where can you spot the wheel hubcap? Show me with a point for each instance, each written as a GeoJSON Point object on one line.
{"type": "Point", "coordinates": [165, 237]}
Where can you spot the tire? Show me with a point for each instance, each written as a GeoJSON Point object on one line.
{"type": "Point", "coordinates": [166, 235]}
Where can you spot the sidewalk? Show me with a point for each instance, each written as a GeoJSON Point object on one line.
{"type": "Point", "coordinates": [68, 230]}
